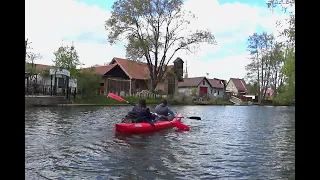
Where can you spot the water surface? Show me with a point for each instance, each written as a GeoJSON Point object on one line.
{"type": "Point", "coordinates": [230, 142]}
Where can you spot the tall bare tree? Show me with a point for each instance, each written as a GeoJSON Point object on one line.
{"type": "Point", "coordinates": [287, 94]}
{"type": "Point", "coordinates": [155, 30]}
{"type": "Point", "coordinates": [264, 62]}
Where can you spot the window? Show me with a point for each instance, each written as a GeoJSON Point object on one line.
{"type": "Point", "coordinates": [137, 86]}
{"type": "Point", "coordinates": [218, 92]}
{"type": "Point", "coordinates": [101, 84]}
{"type": "Point", "coordinates": [203, 82]}
{"type": "Point", "coordinates": [211, 91]}
{"type": "Point", "coordinates": [215, 91]}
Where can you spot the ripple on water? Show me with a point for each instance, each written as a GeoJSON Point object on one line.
{"type": "Point", "coordinates": [228, 143]}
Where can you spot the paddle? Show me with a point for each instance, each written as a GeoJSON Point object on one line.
{"type": "Point", "coordinates": [176, 124]}
{"type": "Point", "coordinates": [193, 117]}
{"type": "Point", "coordinates": [118, 98]}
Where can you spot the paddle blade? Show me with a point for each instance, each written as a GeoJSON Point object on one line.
{"type": "Point", "coordinates": [181, 126]}
{"type": "Point", "coordinates": [195, 117]}
{"type": "Point", "coordinates": [118, 98]}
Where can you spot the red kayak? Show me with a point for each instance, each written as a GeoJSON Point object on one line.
{"type": "Point", "coordinates": [146, 127]}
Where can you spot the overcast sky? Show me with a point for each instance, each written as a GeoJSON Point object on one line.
{"type": "Point", "coordinates": [51, 23]}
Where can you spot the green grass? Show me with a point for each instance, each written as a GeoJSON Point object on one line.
{"type": "Point", "coordinates": [104, 100]}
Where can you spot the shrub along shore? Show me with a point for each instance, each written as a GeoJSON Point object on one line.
{"type": "Point", "coordinates": [103, 100]}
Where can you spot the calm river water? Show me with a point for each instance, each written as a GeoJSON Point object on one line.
{"type": "Point", "coordinates": [230, 142]}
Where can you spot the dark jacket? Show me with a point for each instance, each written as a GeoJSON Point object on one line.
{"type": "Point", "coordinates": [144, 113]}
{"type": "Point", "coordinates": [163, 110]}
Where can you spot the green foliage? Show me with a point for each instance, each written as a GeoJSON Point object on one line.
{"type": "Point", "coordinates": [194, 91]}
{"type": "Point", "coordinates": [253, 88]}
{"type": "Point", "coordinates": [88, 82]}
{"type": "Point", "coordinates": [286, 94]}
{"type": "Point", "coordinates": [267, 60]}
{"type": "Point", "coordinates": [103, 100]}
{"type": "Point", "coordinates": [287, 89]}
{"type": "Point", "coordinates": [67, 58]}
{"type": "Point", "coordinates": [153, 28]}
{"type": "Point", "coordinates": [273, 63]}
{"type": "Point", "coordinates": [45, 73]}
{"type": "Point", "coordinates": [30, 68]}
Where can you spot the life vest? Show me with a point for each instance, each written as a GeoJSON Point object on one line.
{"type": "Point", "coordinates": [144, 113]}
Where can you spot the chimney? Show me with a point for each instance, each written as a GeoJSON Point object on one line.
{"type": "Point", "coordinates": [178, 68]}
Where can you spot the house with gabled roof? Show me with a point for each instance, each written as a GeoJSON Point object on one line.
{"type": "Point", "coordinates": [218, 87]}
{"type": "Point", "coordinates": [236, 87]}
{"type": "Point", "coordinates": [128, 76]}
{"type": "Point", "coordinates": [202, 86]}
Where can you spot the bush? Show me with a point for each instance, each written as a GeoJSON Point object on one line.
{"type": "Point", "coordinates": [105, 100]}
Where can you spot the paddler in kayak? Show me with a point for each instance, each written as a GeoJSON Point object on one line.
{"type": "Point", "coordinates": [140, 113]}
{"type": "Point", "coordinates": [163, 111]}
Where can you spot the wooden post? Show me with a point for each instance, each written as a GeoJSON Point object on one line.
{"type": "Point", "coordinates": [51, 86]}
{"type": "Point", "coordinates": [67, 84]}
{"type": "Point", "coordinates": [130, 88]}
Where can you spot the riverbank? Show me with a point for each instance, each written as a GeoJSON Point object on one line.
{"type": "Point", "coordinates": [104, 101]}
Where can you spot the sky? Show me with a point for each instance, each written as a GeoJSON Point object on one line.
{"type": "Point", "coordinates": [52, 23]}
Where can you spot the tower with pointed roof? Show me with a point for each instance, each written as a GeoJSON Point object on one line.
{"type": "Point", "coordinates": [186, 72]}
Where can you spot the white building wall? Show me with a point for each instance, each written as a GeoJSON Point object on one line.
{"type": "Point", "coordinates": [218, 91]}
{"type": "Point", "coordinates": [187, 91]}
{"type": "Point", "coordinates": [211, 91]}
{"type": "Point", "coordinates": [231, 87]}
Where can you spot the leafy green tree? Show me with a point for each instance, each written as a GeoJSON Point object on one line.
{"type": "Point", "coordinates": [67, 58]}
{"type": "Point", "coordinates": [88, 82]}
{"type": "Point", "coordinates": [253, 88]}
{"type": "Point", "coordinates": [287, 89]}
{"type": "Point", "coordinates": [155, 31]}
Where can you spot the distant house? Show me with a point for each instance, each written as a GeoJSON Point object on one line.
{"type": "Point", "coordinates": [236, 87]}
{"type": "Point", "coordinates": [218, 88]}
{"type": "Point", "coordinates": [202, 86]}
{"type": "Point", "coordinates": [269, 93]}
{"type": "Point", "coordinates": [128, 76]}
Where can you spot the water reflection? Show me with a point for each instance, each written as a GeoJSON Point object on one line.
{"type": "Point", "coordinates": [228, 143]}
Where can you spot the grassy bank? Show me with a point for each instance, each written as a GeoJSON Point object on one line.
{"type": "Point", "coordinates": [103, 100]}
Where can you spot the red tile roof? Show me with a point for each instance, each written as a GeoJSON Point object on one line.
{"type": "Point", "coordinates": [43, 66]}
{"type": "Point", "coordinates": [240, 84]}
{"type": "Point", "coordinates": [134, 69]}
{"type": "Point", "coordinates": [195, 81]}
{"type": "Point", "coordinates": [216, 83]}
{"type": "Point", "coordinates": [101, 69]}
{"type": "Point", "coordinates": [269, 91]}
{"type": "Point", "coordinates": [191, 82]}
